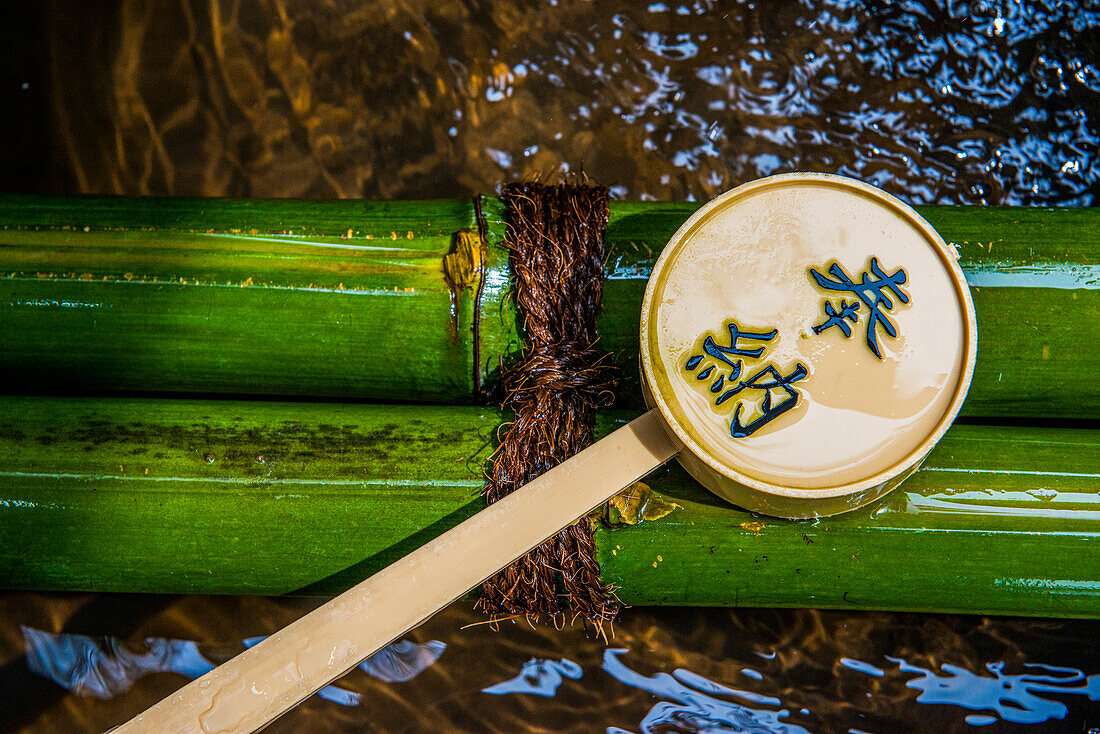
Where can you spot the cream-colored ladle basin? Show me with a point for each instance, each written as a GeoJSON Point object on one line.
{"type": "Point", "coordinates": [860, 421]}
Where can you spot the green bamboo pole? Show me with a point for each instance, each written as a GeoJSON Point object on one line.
{"type": "Point", "coordinates": [321, 298]}
{"type": "Point", "coordinates": [302, 298]}
{"type": "Point", "coordinates": [270, 498]}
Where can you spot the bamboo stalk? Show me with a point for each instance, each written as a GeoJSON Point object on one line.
{"type": "Point", "coordinates": [1001, 519]}
{"type": "Point", "coordinates": [301, 298]}
{"type": "Point", "coordinates": [322, 298]}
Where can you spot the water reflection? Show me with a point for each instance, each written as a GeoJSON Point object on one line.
{"type": "Point", "coordinates": [957, 102]}
{"type": "Point", "coordinates": [862, 667]}
{"type": "Point", "coordinates": [670, 670]}
{"type": "Point", "coordinates": [1011, 697]}
{"type": "Point", "coordinates": [540, 677]}
{"type": "Point", "coordinates": [692, 705]}
{"type": "Point", "coordinates": [104, 667]}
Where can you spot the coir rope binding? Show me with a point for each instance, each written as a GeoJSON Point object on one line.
{"type": "Point", "coordinates": [555, 234]}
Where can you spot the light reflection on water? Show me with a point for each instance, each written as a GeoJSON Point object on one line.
{"type": "Point", "coordinates": [692, 706]}
{"type": "Point", "coordinates": [538, 677]}
{"type": "Point", "coordinates": [1011, 697]}
{"type": "Point", "coordinates": [678, 701]}
{"type": "Point", "coordinates": [952, 102]}
{"type": "Point", "coordinates": [105, 667]}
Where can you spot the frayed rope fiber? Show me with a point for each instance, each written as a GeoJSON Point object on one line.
{"type": "Point", "coordinates": [555, 234]}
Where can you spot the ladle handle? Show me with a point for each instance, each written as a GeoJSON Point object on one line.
{"type": "Point", "coordinates": [267, 680]}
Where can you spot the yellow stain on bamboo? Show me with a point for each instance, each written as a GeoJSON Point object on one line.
{"type": "Point", "coordinates": [462, 269]}
{"type": "Point", "coordinates": [638, 502]}
{"type": "Point", "coordinates": [754, 527]}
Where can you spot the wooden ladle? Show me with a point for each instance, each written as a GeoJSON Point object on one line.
{"type": "Point", "coordinates": [806, 339]}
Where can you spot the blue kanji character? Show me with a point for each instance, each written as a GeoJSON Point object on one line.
{"type": "Point", "coordinates": [847, 311]}
{"type": "Point", "coordinates": [723, 354]}
{"type": "Point", "coordinates": [873, 293]}
{"type": "Point", "coordinates": [769, 412]}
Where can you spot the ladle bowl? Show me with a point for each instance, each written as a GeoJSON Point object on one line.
{"type": "Point", "coordinates": [844, 300]}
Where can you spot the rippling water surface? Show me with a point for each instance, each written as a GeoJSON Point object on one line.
{"type": "Point", "coordinates": [958, 102]}
{"type": "Point", "coordinates": [666, 670]}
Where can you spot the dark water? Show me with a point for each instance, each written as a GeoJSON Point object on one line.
{"type": "Point", "coordinates": [962, 102]}
{"type": "Point", "coordinates": [955, 102]}
{"type": "Point", "coordinates": [667, 670]}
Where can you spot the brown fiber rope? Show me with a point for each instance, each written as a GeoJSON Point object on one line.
{"type": "Point", "coordinates": [555, 235]}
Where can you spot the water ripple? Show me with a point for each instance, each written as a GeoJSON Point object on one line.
{"type": "Point", "coordinates": [692, 706]}
{"type": "Point", "coordinates": [1012, 698]}
{"type": "Point", "coordinates": [539, 677]}
{"type": "Point", "coordinates": [104, 668]}
{"type": "Point", "coordinates": [961, 102]}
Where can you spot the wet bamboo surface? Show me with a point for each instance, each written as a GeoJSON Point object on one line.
{"type": "Point", "coordinates": [115, 494]}
{"type": "Point", "coordinates": [317, 298]}
{"type": "Point", "coordinates": [352, 299]}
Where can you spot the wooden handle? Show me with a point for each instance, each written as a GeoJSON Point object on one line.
{"type": "Point", "coordinates": [264, 682]}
